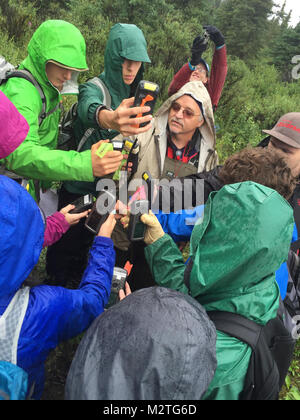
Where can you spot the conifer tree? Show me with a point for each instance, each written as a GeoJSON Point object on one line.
{"type": "Point", "coordinates": [245, 24]}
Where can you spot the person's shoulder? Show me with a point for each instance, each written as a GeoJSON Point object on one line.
{"type": "Point", "coordinates": [91, 88]}
{"type": "Point", "coordinates": [22, 93]}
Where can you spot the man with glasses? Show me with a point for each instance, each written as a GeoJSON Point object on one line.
{"type": "Point", "coordinates": [181, 142]}
{"type": "Point", "coordinates": [182, 139]}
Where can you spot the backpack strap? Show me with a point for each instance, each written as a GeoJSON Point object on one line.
{"type": "Point", "coordinates": [272, 352]}
{"type": "Point", "coordinates": [293, 264]}
{"type": "Point", "coordinates": [262, 378]}
{"type": "Point", "coordinates": [187, 273]}
{"type": "Point", "coordinates": [84, 138]}
{"type": "Point", "coordinates": [106, 101]}
{"type": "Point", "coordinates": [11, 323]}
{"type": "Point", "coordinates": [106, 95]}
{"type": "Point", "coordinates": [25, 74]}
{"type": "Point", "coordinates": [237, 326]}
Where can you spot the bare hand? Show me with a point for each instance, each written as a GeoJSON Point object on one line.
{"type": "Point", "coordinates": [122, 294]}
{"type": "Point", "coordinates": [121, 209]}
{"type": "Point", "coordinates": [73, 219]}
{"type": "Point", "coordinates": [106, 165]}
{"type": "Point", "coordinates": [120, 118]}
{"type": "Point", "coordinates": [108, 227]}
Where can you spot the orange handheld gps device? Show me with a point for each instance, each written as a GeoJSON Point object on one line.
{"type": "Point", "coordinates": [146, 95]}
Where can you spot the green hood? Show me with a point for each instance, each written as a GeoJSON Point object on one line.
{"type": "Point", "coordinates": [55, 40]}
{"type": "Point", "coordinates": [125, 41]}
{"type": "Point", "coordinates": [241, 241]}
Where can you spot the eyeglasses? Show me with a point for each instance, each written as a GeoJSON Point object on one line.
{"type": "Point", "coordinates": [187, 113]}
{"type": "Point", "coordinates": [200, 69]}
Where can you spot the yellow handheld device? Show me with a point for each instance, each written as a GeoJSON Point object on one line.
{"type": "Point", "coordinates": [146, 95]}
{"type": "Point", "coordinates": [104, 148]}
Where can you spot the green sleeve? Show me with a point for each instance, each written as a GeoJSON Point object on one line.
{"type": "Point", "coordinates": [166, 264]}
{"type": "Point", "coordinates": [32, 161]}
{"type": "Point", "coordinates": [89, 99]}
{"type": "Point", "coordinates": [37, 157]}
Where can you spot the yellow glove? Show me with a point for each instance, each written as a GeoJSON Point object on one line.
{"type": "Point", "coordinates": [125, 220]}
{"type": "Point", "coordinates": [154, 230]}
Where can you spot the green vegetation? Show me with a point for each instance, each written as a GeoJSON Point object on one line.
{"type": "Point", "coordinates": [261, 45]}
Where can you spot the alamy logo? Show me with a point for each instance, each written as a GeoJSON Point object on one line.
{"type": "Point", "coordinates": [296, 69]}
{"type": "Point", "coordinates": [180, 194]}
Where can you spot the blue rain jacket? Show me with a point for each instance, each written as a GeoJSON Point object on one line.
{"type": "Point", "coordinates": [54, 314]}
{"type": "Point", "coordinates": [282, 274]}
{"type": "Point", "coordinates": [180, 225]}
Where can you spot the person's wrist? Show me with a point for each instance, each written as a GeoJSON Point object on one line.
{"type": "Point", "coordinates": [105, 233]}
{"type": "Point", "coordinates": [101, 121]}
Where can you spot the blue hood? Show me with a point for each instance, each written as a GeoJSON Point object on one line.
{"type": "Point", "coordinates": [21, 235]}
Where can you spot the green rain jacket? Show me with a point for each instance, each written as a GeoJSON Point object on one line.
{"type": "Point", "coordinates": [36, 157]}
{"type": "Point", "coordinates": [242, 239]}
{"type": "Point", "coordinates": [125, 41]}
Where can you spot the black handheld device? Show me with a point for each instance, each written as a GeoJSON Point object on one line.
{"type": "Point", "coordinates": [117, 284]}
{"type": "Point", "coordinates": [136, 228]}
{"type": "Point", "coordinates": [132, 147]}
{"type": "Point", "coordinates": [205, 37]}
{"type": "Point", "coordinates": [146, 95]}
{"type": "Point", "coordinates": [118, 145]}
{"type": "Point", "coordinates": [102, 208]}
{"type": "Point", "coordinates": [82, 204]}
{"type": "Point", "coordinates": [148, 179]}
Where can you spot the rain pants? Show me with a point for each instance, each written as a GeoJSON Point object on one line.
{"type": "Point", "coordinates": [54, 314]}
{"type": "Point", "coordinates": [243, 238]}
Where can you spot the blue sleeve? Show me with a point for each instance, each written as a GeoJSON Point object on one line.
{"type": "Point", "coordinates": [282, 274]}
{"type": "Point", "coordinates": [180, 225]}
{"type": "Point", "coordinates": [64, 313]}
{"type": "Point", "coordinates": [295, 234]}
{"type": "Point", "coordinates": [89, 300]}
{"type": "Point", "coordinates": [282, 277]}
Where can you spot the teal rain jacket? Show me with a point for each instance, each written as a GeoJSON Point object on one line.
{"type": "Point", "coordinates": [238, 245]}
{"type": "Point", "coordinates": [125, 41]}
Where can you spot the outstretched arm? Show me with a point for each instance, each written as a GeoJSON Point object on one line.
{"type": "Point", "coordinates": [164, 258]}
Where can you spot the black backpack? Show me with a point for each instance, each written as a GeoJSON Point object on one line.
{"type": "Point", "coordinates": [66, 138]}
{"type": "Point", "coordinates": [272, 353]}
{"type": "Point", "coordinates": [272, 349]}
{"type": "Point", "coordinates": [290, 307]}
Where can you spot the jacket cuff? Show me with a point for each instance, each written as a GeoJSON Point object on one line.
{"type": "Point", "coordinates": [102, 240]}
{"type": "Point", "coordinates": [62, 220]}
{"type": "Point", "coordinates": [191, 67]}
{"type": "Point", "coordinates": [100, 108]}
{"type": "Point", "coordinates": [159, 242]}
